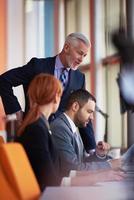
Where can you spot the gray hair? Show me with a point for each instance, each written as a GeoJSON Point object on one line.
{"type": "Point", "coordinates": [77, 36]}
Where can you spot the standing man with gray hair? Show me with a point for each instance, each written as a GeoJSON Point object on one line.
{"type": "Point", "coordinates": [63, 66]}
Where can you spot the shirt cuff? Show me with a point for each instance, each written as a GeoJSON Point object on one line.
{"type": "Point", "coordinates": [11, 117]}
{"type": "Point", "coordinates": [66, 181]}
{"type": "Point", "coordinates": [72, 173]}
{"type": "Point", "coordinates": [100, 156]}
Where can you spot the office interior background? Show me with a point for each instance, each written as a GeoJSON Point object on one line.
{"type": "Point", "coordinates": [37, 28]}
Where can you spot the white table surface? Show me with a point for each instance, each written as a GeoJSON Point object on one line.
{"type": "Point", "coordinates": [101, 191]}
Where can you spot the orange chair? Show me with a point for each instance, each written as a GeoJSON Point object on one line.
{"type": "Point", "coordinates": [1, 140]}
{"type": "Point", "coordinates": [6, 193]}
{"type": "Point", "coordinates": [18, 171]}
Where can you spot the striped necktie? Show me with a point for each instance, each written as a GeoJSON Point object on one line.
{"type": "Point", "coordinates": [63, 77]}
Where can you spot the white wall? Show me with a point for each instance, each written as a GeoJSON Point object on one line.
{"type": "Point", "coordinates": [15, 39]}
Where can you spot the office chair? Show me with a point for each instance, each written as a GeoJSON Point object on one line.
{"type": "Point", "coordinates": [6, 193]}
{"type": "Point", "coordinates": [19, 173]}
{"type": "Point", "coordinates": [1, 140]}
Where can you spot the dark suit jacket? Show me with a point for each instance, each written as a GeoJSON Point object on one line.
{"type": "Point", "coordinates": [23, 76]}
{"type": "Point", "coordinates": [39, 146]}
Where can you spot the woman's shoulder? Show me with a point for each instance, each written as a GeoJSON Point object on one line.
{"type": "Point", "coordinates": [38, 124]}
{"type": "Point", "coordinates": [35, 130]}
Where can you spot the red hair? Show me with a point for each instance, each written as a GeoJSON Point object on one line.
{"type": "Point", "coordinates": [42, 91]}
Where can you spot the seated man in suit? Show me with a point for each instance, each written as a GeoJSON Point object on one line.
{"type": "Point", "coordinates": [79, 111]}
{"type": "Point", "coordinates": [63, 66]}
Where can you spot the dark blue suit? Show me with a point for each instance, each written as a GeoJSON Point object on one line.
{"type": "Point", "coordinates": [23, 76]}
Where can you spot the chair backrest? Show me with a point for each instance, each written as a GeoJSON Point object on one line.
{"type": "Point", "coordinates": [1, 140]}
{"type": "Point", "coordinates": [17, 169]}
{"type": "Point", "coordinates": [6, 191]}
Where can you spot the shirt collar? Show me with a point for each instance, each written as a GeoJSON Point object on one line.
{"type": "Point", "coordinates": [72, 124]}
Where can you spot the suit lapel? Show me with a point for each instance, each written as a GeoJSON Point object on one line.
{"type": "Point", "coordinates": [70, 80]}
{"type": "Point", "coordinates": [63, 117]}
{"type": "Point", "coordinates": [75, 144]}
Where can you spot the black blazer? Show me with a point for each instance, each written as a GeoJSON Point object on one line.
{"type": "Point", "coordinates": [23, 76]}
{"type": "Point", "coordinates": [39, 146]}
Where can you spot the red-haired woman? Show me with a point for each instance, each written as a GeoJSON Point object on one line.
{"type": "Point", "coordinates": [44, 96]}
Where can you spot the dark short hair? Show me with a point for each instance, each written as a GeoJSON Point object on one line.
{"type": "Point", "coordinates": [81, 96]}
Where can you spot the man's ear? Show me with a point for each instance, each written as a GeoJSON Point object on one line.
{"type": "Point", "coordinates": [66, 48]}
{"type": "Point", "coordinates": [75, 106]}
